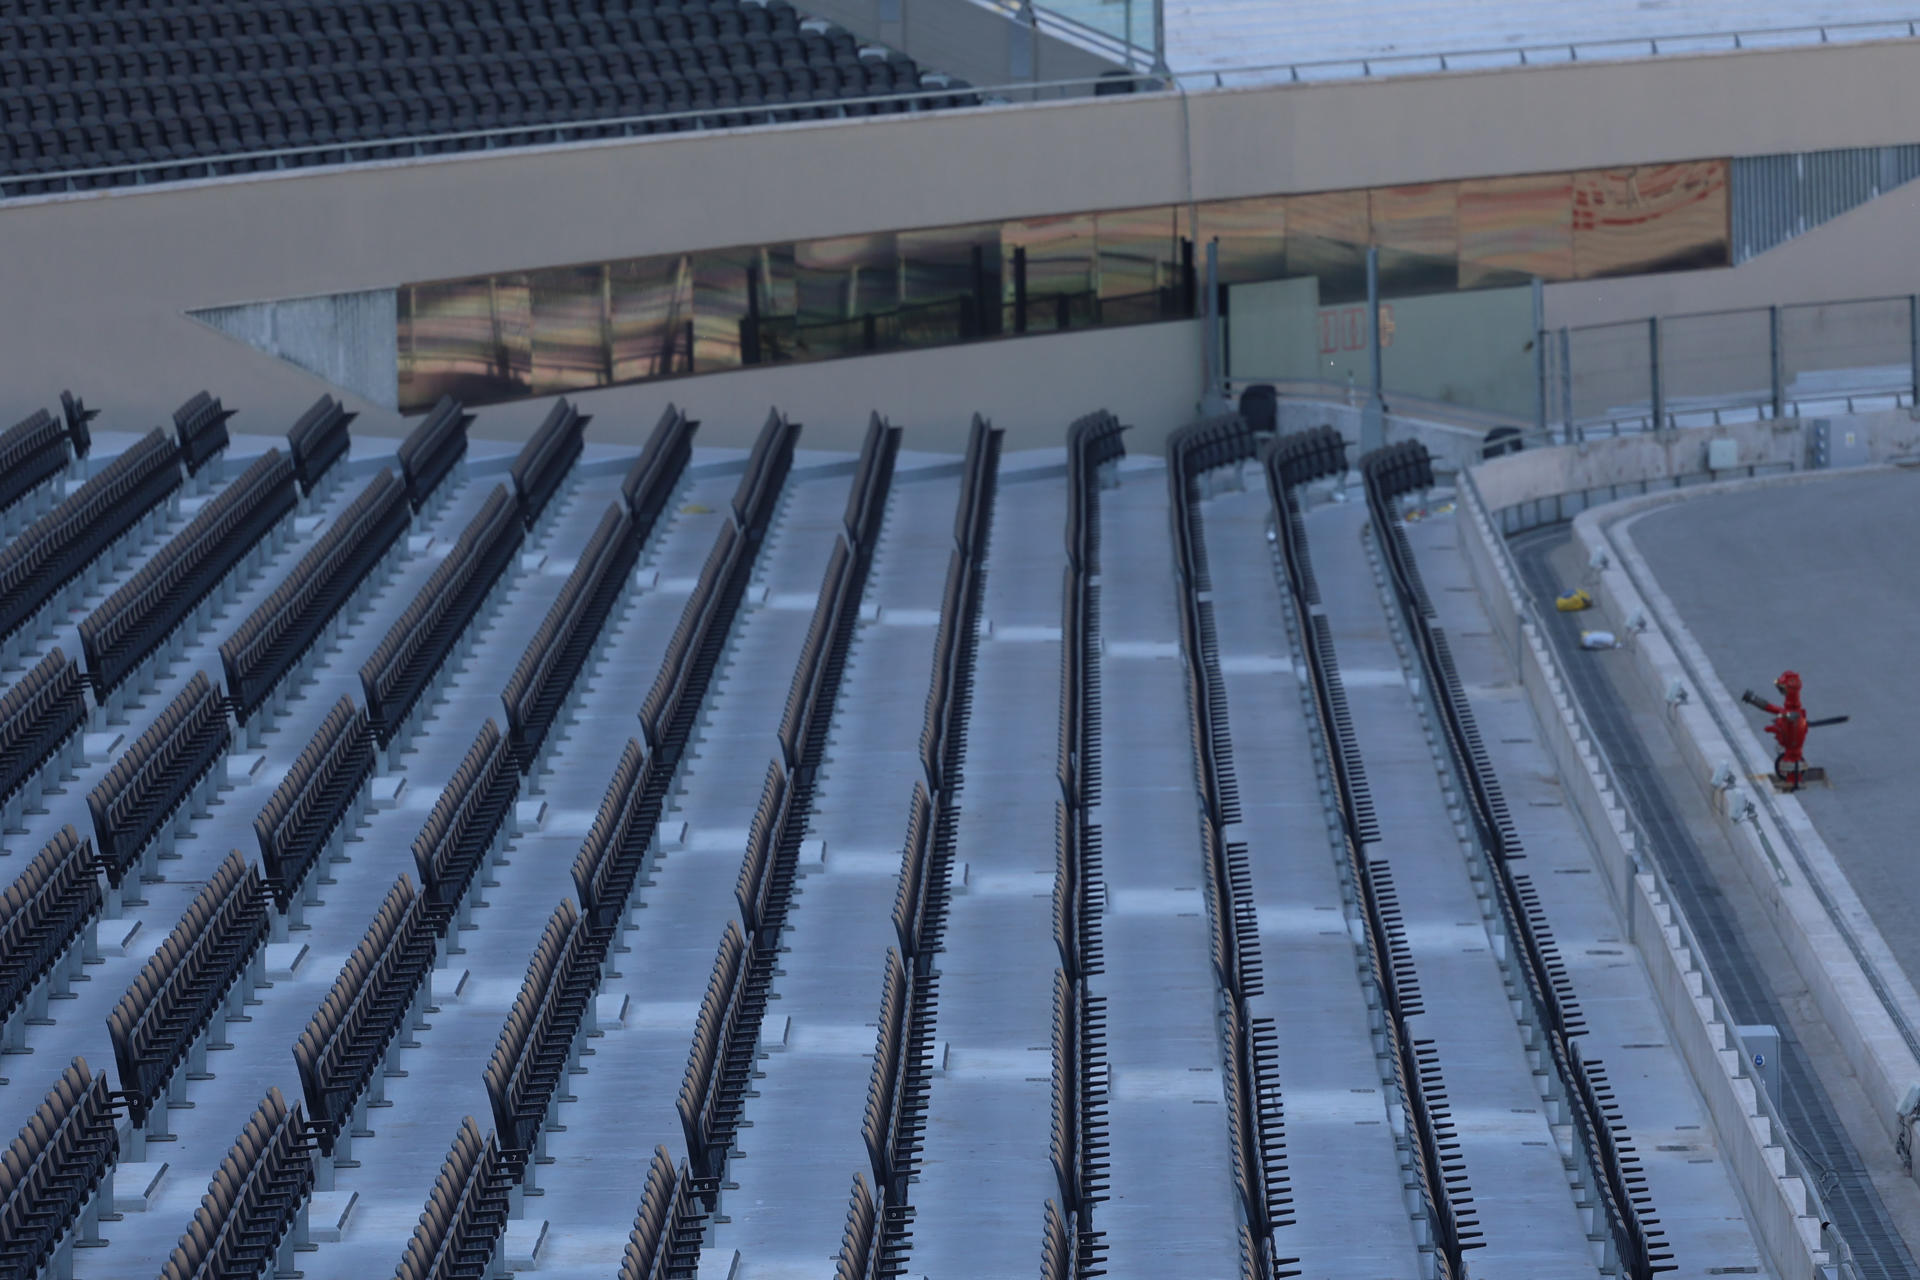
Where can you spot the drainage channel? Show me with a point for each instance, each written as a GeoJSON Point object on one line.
{"type": "Point", "coordinates": [1860, 1218]}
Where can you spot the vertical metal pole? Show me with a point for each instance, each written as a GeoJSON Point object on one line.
{"type": "Point", "coordinates": [1653, 371]}
{"type": "Point", "coordinates": [1776, 372]}
{"type": "Point", "coordinates": [1159, 36]}
{"type": "Point", "coordinates": [1540, 356]}
{"type": "Point", "coordinates": [1211, 393]}
{"type": "Point", "coordinates": [1913, 344]}
{"type": "Point", "coordinates": [1372, 426]}
{"type": "Point", "coordinates": [1566, 382]}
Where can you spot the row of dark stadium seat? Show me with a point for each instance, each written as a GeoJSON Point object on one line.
{"type": "Point", "coordinates": [174, 1000]}
{"type": "Point", "coordinates": [466, 825]}
{"type": "Point", "coordinates": [610, 857]}
{"type": "Point", "coordinates": [668, 1228]}
{"type": "Point", "coordinates": [1078, 1147]}
{"type": "Point", "coordinates": [940, 730]}
{"type": "Point", "coordinates": [894, 1121]}
{"type": "Point", "coordinates": [1251, 1072]}
{"type": "Point", "coordinates": [44, 917]}
{"type": "Point", "coordinates": [201, 425]}
{"type": "Point", "coordinates": [248, 1222]}
{"type": "Point", "coordinates": [547, 457]}
{"type": "Point", "coordinates": [51, 1176]}
{"type": "Point", "coordinates": [341, 1051]}
{"type": "Point", "coordinates": [720, 1059]}
{"type": "Point", "coordinates": [466, 1211]}
{"type": "Point", "coordinates": [1547, 996]}
{"type": "Point", "coordinates": [674, 697]}
{"type": "Point", "coordinates": [311, 808]}
{"type": "Point", "coordinates": [317, 440]}
{"type": "Point", "coordinates": [550, 666]}
{"type": "Point", "coordinates": [432, 450]}
{"type": "Point", "coordinates": [145, 88]}
{"type": "Point", "coordinates": [62, 544]}
{"type": "Point", "coordinates": [1444, 1196]}
{"type": "Point", "coordinates": [133, 622]}
{"type": "Point", "coordinates": [41, 717]}
{"type": "Point", "coordinates": [268, 645]}
{"type": "Point", "coordinates": [79, 24]}
{"type": "Point", "coordinates": [38, 448]}
{"type": "Point", "coordinates": [712, 1090]}
{"type": "Point", "coordinates": [540, 1040]}
{"type": "Point", "coordinates": [158, 776]}
{"type": "Point", "coordinates": [405, 664]}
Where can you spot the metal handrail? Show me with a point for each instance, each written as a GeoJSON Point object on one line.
{"type": "Point", "coordinates": [1630, 46]}
{"type": "Point", "coordinates": [1642, 859]}
{"type": "Point", "coordinates": [562, 132]}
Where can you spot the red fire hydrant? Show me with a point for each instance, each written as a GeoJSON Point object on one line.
{"type": "Point", "coordinates": [1789, 728]}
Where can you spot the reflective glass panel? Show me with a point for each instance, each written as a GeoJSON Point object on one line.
{"type": "Point", "coordinates": [846, 277]}
{"type": "Point", "coordinates": [466, 339]}
{"type": "Point", "coordinates": [1512, 229]}
{"type": "Point", "coordinates": [569, 311]}
{"type": "Point", "coordinates": [949, 283]}
{"type": "Point", "coordinates": [1252, 235]}
{"type": "Point", "coordinates": [651, 305]}
{"type": "Point", "coordinates": [1059, 255]}
{"type": "Point", "coordinates": [1327, 237]}
{"type": "Point", "coordinates": [719, 306]}
{"type": "Point", "coordinates": [1657, 217]}
{"type": "Point", "coordinates": [1139, 265]}
{"type": "Point", "coordinates": [1417, 231]}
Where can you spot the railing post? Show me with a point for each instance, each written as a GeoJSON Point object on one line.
{"type": "Point", "coordinates": [1913, 347]}
{"type": "Point", "coordinates": [1020, 289]}
{"type": "Point", "coordinates": [1653, 370]}
{"type": "Point", "coordinates": [1160, 37]}
{"type": "Point", "coordinates": [1539, 351]}
{"type": "Point", "coordinates": [1776, 370]}
{"type": "Point", "coordinates": [1566, 380]}
{"type": "Point", "coordinates": [1372, 424]}
{"type": "Point", "coordinates": [1212, 333]}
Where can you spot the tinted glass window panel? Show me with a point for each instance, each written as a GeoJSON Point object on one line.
{"type": "Point", "coordinates": [1327, 238]}
{"type": "Point", "coordinates": [846, 277]}
{"type": "Point", "coordinates": [950, 283]}
{"type": "Point", "coordinates": [719, 305]}
{"type": "Point", "coordinates": [1657, 217]}
{"type": "Point", "coordinates": [1512, 229]}
{"type": "Point", "coordinates": [651, 302]}
{"type": "Point", "coordinates": [1417, 231]}
{"type": "Point", "coordinates": [569, 309]}
{"type": "Point", "coordinates": [1252, 235]}
{"type": "Point", "coordinates": [1139, 264]}
{"type": "Point", "coordinates": [454, 342]}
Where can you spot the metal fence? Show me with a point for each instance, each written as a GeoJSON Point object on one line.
{"type": "Point", "coordinates": [1732, 366]}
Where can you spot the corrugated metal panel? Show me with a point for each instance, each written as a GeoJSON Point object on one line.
{"type": "Point", "coordinates": [1778, 197]}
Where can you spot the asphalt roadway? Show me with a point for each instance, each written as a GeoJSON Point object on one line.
{"type": "Point", "coordinates": [1820, 578]}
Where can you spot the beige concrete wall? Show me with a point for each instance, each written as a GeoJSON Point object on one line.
{"type": "Point", "coordinates": [95, 286]}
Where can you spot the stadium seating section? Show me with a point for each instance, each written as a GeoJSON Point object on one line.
{"type": "Point", "coordinates": [87, 87]}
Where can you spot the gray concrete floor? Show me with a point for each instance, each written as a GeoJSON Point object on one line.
{"type": "Point", "coordinates": [1819, 578]}
{"type": "Point", "coordinates": [985, 1174]}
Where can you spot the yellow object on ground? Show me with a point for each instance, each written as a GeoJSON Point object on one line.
{"type": "Point", "coordinates": [1573, 601]}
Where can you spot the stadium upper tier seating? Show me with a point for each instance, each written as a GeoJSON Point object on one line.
{"type": "Point", "coordinates": [86, 84]}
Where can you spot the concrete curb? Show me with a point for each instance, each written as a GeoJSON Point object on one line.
{"type": "Point", "coordinates": [1785, 1219]}
{"type": "Point", "coordinates": [1860, 989]}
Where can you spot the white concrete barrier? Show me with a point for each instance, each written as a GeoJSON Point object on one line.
{"type": "Point", "coordinates": [1860, 989]}
{"type": "Point", "coordinates": [1782, 1215]}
